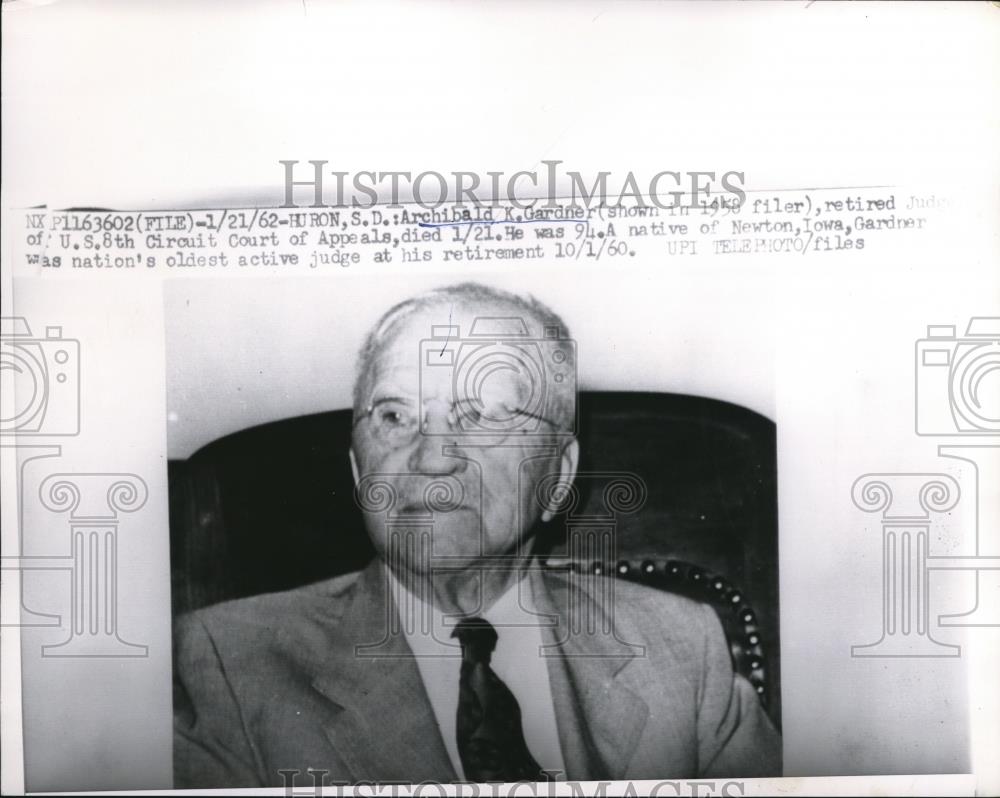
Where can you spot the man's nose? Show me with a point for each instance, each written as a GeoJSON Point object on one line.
{"type": "Point", "coordinates": [428, 456]}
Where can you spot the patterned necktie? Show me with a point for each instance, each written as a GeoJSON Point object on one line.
{"type": "Point", "coordinates": [490, 739]}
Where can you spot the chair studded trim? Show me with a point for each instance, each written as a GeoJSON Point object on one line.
{"type": "Point", "coordinates": [739, 621]}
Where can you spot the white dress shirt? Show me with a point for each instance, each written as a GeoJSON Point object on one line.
{"type": "Point", "coordinates": [516, 660]}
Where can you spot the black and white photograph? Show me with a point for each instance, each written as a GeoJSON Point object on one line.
{"type": "Point", "coordinates": [483, 568]}
{"type": "Point", "coordinates": [462, 399]}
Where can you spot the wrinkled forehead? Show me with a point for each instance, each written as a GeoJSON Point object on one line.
{"type": "Point", "coordinates": [421, 352]}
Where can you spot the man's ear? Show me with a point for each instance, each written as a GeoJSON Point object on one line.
{"type": "Point", "coordinates": [354, 465]}
{"type": "Point", "coordinates": [568, 462]}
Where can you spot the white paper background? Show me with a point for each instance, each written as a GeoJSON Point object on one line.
{"type": "Point", "coordinates": [141, 105]}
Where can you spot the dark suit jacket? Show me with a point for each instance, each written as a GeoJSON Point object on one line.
{"type": "Point", "coordinates": [274, 682]}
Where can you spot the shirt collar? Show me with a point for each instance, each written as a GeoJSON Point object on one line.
{"type": "Point", "coordinates": [428, 629]}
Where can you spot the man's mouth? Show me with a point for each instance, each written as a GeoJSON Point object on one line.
{"type": "Point", "coordinates": [424, 508]}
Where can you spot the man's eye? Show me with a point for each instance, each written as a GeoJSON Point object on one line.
{"type": "Point", "coordinates": [500, 411]}
{"type": "Point", "coordinates": [469, 415]}
{"type": "Point", "coordinates": [394, 417]}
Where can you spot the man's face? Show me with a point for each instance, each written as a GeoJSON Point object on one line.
{"type": "Point", "coordinates": [417, 434]}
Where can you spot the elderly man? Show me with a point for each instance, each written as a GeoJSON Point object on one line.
{"type": "Point", "coordinates": [454, 655]}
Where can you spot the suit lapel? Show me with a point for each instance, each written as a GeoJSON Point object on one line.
{"type": "Point", "coordinates": [383, 727]}
{"type": "Point", "coordinates": [596, 680]}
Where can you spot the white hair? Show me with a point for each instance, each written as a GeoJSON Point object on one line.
{"type": "Point", "coordinates": [563, 404]}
